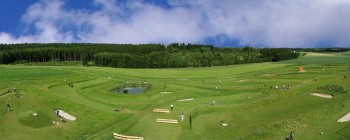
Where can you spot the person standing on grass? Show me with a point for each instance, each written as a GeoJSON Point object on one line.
{"type": "Point", "coordinates": [171, 107]}
{"type": "Point", "coordinates": [62, 119]}
{"type": "Point", "coordinates": [291, 136]}
{"type": "Point", "coordinates": [213, 104]}
{"type": "Point", "coordinates": [8, 107]}
{"type": "Point", "coordinates": [182, 117]}
{"type": "Point", "coordinates": [57, 112]}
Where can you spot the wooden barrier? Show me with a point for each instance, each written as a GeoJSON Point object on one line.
{"type": "Point", "coordinates": [124, 137]}
{"type": "Point", "coordinates": [167, 121]}
{"type": "Point", "coordinates": [161, 110]}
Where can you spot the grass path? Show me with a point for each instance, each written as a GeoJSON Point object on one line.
{"type": "Point", "coordinates": [71, 94]}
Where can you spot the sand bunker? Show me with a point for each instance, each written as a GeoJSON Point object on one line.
{"type": "Point", "coordinates": [224, 124]}
{"type": "Point", "coordinates": [265, 75]}
{"type": "Point", "coordinates": [161, 110]}
{"type": "Point", "coordinates": [182, 79]}
{"type": "Point", "coordinates": [322, 95]}
{"type": "Point", "coordinates": [189, 99]}
{"type": "Point", "coordinates": [225, 77]}
{"type": "Point", "coordinates": [344, 118]}
{"type": "Point", "coordinates": [66, 116]}
{"type": "Point", "coordinates": [241, 80]}
{"type": "Point", "coordinates": [167, 121]}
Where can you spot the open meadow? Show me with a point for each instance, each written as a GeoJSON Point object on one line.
{"type": "Point", "coordinates": [247, 103]}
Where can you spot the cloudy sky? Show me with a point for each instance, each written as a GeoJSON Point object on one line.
{"type": "Point", "coordinates": [259, 23]}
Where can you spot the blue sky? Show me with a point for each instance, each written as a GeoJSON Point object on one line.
{"type": "Point", "coordinates": [283, 23]}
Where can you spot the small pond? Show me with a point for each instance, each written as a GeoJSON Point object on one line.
{"type": "Point", "coordinates": [131, 90]}
{"type": "Point", "coordinates": [133, 87]}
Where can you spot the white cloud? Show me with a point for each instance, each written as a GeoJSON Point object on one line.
{"type": "Point", "coordinates": [296, 23]}
{"type": "Point", "coordinates": [147, 24]}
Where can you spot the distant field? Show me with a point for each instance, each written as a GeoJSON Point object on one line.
{"type": "Point", "coordinates": [320, 54]}
{"type": "Point", "coordinates": [246, 99]}
{"type": "Point", "coordinates": [21, 72]}
{"type": "Point", "coordinates": [320, 58]}
{"type": "Point", "coordinates": [345, 53]}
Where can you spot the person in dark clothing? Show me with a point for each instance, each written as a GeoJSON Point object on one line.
{"type": "Point", "coordinates": [8, 107]}
{"type": "Point", "coordinates": [57, 112]}
{"type": "Point", "coordinates": [62, 119]}
{"type": "Point", "coordinates": [291, 136]}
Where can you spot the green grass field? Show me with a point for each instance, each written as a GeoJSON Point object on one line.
{"type": "Point", "coordinates": [245, 98]}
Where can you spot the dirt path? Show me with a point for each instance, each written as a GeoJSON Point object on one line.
{"type": "Point", "coordinates": [344, 118]}
{"type": "Point", "coordinates": [322, 95]}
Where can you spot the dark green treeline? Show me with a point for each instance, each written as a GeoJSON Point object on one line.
{"type": "Point", "coordinates": [141, 56]}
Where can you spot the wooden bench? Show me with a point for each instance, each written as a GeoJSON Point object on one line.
{"type": "Point", "coordinates": [167, 121]}
{"type": "Point", "coordinates": [161, 110]}
{"type": "Point", "coordinates": [124, 137]}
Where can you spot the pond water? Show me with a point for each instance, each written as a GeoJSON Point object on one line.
{"type": "Point", "coordinates": [132, 90]}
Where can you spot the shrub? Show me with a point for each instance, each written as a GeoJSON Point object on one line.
{"type": "Point", "coordinates": [333, 89]}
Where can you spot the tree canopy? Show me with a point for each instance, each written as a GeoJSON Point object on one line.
{"type": "Point", "coordinates": [142, 55]}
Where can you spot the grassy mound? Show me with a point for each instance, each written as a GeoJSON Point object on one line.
{"type": "Point", "coordinates": [345, 131]}
{"type": "Point", "coordinates": [36, 121]}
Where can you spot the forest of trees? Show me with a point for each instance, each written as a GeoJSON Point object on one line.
{"type": "Point", "coordinates": [141, 56]}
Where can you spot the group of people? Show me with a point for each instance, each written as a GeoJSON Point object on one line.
{"type": "Point", "coordinates": [14, 90]}
{"type": "Point", "coordinates": [283, 87]}
{"type": "Point", "coordinates": [8, 105]}
{"type": "Point", "coordinates": [182, 116]}
{"type": "Point", "coordinates": [70, 84]}
{"type": "Point", "coordinates": [58, 115]}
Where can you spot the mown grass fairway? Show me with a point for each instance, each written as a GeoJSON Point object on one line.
{"type": "Point", "coordinates": [245, 98]}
